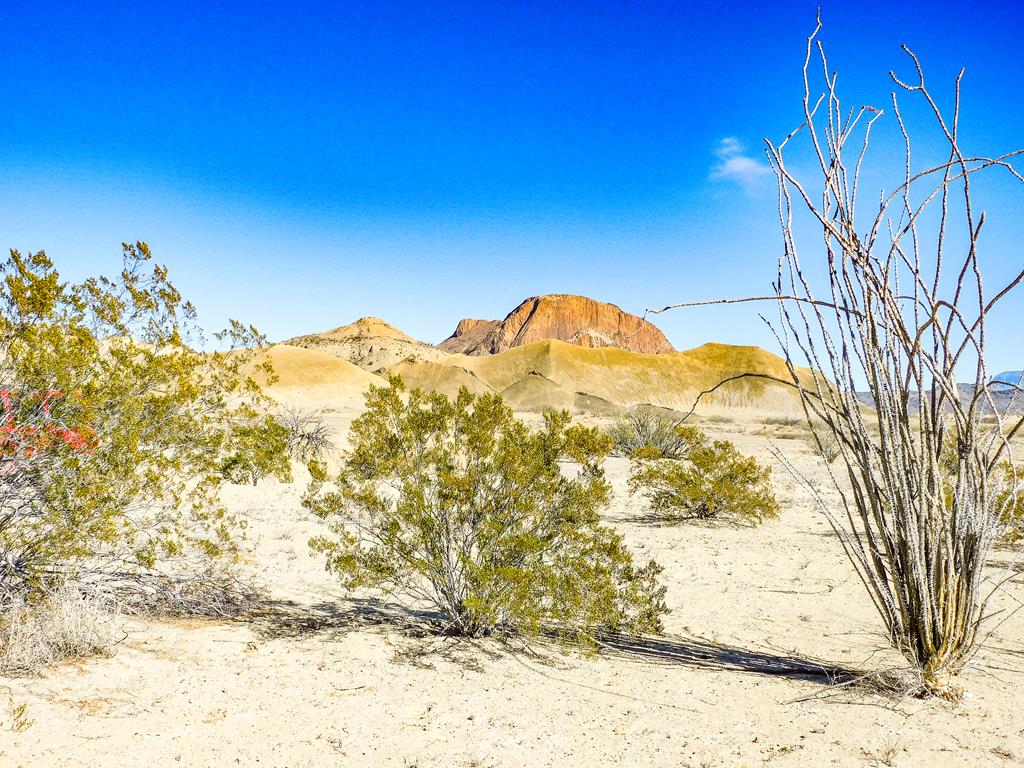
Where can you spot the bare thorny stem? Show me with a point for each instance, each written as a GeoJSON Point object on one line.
{"type": "Point", "coordinates": [924, 490]}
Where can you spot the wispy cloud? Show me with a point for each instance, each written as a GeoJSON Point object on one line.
{"type": "Point", "coordinates": [735, 165]}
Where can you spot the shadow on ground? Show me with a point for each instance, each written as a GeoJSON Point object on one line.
{"type": "Point", "coordinates": [422, 638]}
{"type": "Point", "coordinates": [698, 653]}
{"type": "Point", "coordinates": [418, 637]}
{"type": "Point", "coordinates": [277, 619]}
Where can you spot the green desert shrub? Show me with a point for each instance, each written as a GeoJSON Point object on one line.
{"type": "Point", "coordinates": [647, 428]}
{"type": "Point", "coordinates": [460, 505]}
{"type": "Point", "coordinates": [115, 425]}
{"type": "Point", "coordinates": [1007, 491]}
{"type": "Point", "coordinates": [1010, 503]}
{"type": "Point", "coordinates": [257, 448]}
{"type": "Point", "coordinates": [710, 481]}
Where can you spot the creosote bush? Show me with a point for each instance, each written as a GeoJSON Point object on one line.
{"type": "Point", "coordinates": [257, 448]}
{"type": "Point", "coordinates": [710, 480]}
{"type": "Point", "coordinates": [1010, 503]}
{"type": "Point", "coordinates": [115, 426]}
{"type": "Point", "coordinates": [459, 504]}
{"type": "Point", "coordinates": [646, 428]}
{"type": "Point", "coordinates": [1007, 489]}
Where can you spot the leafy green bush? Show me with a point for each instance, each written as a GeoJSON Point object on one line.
{"type": "Point", "coordinates": [710, 481]}
{"type": "Point", "coordinates": [115, 425]}
{"type": "Point", "coordinates": [647, 428]}
{"type": "Point", "coordinates": [256, 449]}
{"type": "Point", "coordinates": [1006, 491]}
{"type": "Point", "coordinates": [461, 505]}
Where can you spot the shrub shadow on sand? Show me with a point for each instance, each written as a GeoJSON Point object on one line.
{"type": "Point", "coordinates": [286, 619]}
{"type": "Point", "coordinates": [698, 653]}
{"type": "Point", "coordinates": [422, 640]}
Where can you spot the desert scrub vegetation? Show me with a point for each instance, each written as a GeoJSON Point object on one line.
{"type": "Point", "coordinates": [1007, 492]}
{"type": "Point", "coordinates": [257, 448]}
{"type": "Point", "coordinates": [647, 428]}
{"type": "Point", "coordinates": [1008, 489]}
{"type": "Point", "coordinates": [709, 481]}
{"type": "Point", "coordinates": [823, 442]}
{"type": "Point", "coordinates": [115, 427]}
{"type": "Point", "coordinates": [460, 505]}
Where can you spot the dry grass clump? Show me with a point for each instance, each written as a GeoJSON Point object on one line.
{"type": "Point", "coordinates": [68, 624]}
{"type": "Point", "coordinates": [649, 429]}
{"type": "Point", "coordinates": [824, 442]}
{"type": "Point", "coordinates": [785, 421]}
{"type": "Point", "coordinates": [718, 418]}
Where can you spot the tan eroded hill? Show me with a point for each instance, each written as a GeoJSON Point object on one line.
{"type": "Point", "coordinates": [314, 376]}
{"type": "Point", "coordinates": [370, 343]}
{"type": "Point", "coordinates": [554, 374]}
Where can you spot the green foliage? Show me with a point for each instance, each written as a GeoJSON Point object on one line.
{"type": "Point", "coordinates": [138, 418]}
{"type": "Point", "coordinates": [1006, 490]}
{"type": "Point", "coordinates": [256, 449]}
{"type": "Point", "coordinates": [647, 428]}
{"type": "Point", "coordinates": [461, 505]}
{"type": "Point", "coordinates": [1009, 502]}
{"type": "Point", "coordinates": [711, 481]}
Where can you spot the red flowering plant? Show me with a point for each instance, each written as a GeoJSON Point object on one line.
{"type": "Point", "coordinates": [28, 426]}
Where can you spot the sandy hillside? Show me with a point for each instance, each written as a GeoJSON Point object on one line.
{"type": "Point", "coordinates": [551, 373]}
{"type": "Point", "coordinates": [328, 679]}
{"type": "Point", "coordinates": [554, 373]}
{"type": "Point", "coordinates": [311, 378]}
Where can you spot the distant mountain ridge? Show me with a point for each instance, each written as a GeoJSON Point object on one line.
{"type": "Point", "coordinates": [1003, 395]}
{"type": "Point", "coordinates": [593, 370]}
{"type": "Point", "coordinates": [577, 320]}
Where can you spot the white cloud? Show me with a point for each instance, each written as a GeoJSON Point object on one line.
{"type": "Point", "coordinates": [735, 165]}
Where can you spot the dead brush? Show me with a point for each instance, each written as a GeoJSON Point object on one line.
{"type": "Point", "coordinates": [648, 428]}
{"type": "Point", "coordinates": [309, 436]}
{"type": "Point", "coordinates": [822, 441]}
{"type": "Point", "coordinates": [67, 625]}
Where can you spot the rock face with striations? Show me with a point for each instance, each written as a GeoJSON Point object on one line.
{"type": "Point", "coordinates": [573, 319]}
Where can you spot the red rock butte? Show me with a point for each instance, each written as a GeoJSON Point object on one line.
{"type": "Point", "coordinates": [573, 319]}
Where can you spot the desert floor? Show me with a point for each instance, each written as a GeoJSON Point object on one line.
{"type": "Point", "coordinates": [326, 680]}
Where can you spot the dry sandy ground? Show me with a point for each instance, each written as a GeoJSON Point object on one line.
{"type": "Point", "coordinates": [332, 681]}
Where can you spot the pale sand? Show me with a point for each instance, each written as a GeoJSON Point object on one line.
{"type": "Point", "coordinates": [343, 686]}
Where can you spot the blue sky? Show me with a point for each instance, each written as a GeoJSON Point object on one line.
{"type": "Point", "coordinates": [301, 164]}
